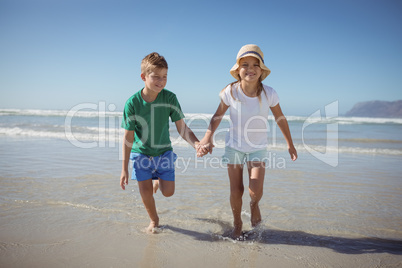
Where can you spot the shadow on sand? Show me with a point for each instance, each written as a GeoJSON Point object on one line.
{"type": "Point", "coordinates": [298, 238]}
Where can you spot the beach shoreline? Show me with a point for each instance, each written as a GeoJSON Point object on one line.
{"type": "Point", "coordinates": [62, 205]}
{"type": "Point", "coordinates": [117, 244]}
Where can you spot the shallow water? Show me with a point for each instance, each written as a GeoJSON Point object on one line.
{"type": "Point", "coordinates": [55, 197]}
{"type": "Point", "coordinates": [360, 197]}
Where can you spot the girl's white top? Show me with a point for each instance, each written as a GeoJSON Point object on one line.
{"type": "Point", "coordinates": [249, 127]}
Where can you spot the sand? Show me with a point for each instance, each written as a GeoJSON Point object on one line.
{"type": "Point", "coordinates": [60, 241]}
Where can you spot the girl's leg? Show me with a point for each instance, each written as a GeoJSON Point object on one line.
{"type": "Point", "coordinates": [236, 195]}
{"type": "Point", "coordinates": [256, 171]}
{"type": "Point", "coordinates": [146, 191]}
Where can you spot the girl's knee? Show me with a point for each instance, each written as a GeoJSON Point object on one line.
{"type": "Point", "coordinates": [237, 192]}
{"type": "Point", "coordinates": [256, 190]}
{"type": "Point", "coordinates": [255, 196]}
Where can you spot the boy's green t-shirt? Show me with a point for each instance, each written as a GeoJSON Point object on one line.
{"type": "Point", "coordinates": [150, 121]}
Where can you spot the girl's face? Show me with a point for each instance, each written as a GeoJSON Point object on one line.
{"type": "Point", "coordinates": [249, 69]}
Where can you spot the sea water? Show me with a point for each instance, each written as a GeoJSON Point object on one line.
{"type": "Point", "coordinates": [60, 168]}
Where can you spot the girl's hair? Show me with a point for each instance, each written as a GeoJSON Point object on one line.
{"type": "Point", "coordinates": [153, 61]}
{"type": "Point", "coordinates": [260, 88]}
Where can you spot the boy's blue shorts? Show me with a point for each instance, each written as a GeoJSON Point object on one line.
{"type": "Point", "coordinates": [147, 167]}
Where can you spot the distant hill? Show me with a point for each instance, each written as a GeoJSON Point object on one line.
{"type": "Point", "coordinates": [377, 109]}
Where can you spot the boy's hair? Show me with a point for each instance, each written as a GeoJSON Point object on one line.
{"type": "Point", "coordinates": [151, 62]}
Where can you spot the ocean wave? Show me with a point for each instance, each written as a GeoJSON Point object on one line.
{"type": "Point", "coordinates": [113, 137]}
{"type": "Point", "coordinates": [367, 120]}
{"type": "Point", "coordinates": [16, 131]}
{"type": "Point", "coordinates": [82, 113]}
{"type": "Point", "coordinates": [345, 120]}
{"type": "Point", "coordinates": [371, 141]}
{"type": "Point", "coordinates": [59, 113]}
{"type": "Point", "coordinates": [304, 148]}
{"type": "Point", "coordinates": [345, 150]}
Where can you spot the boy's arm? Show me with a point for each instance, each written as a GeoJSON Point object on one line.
{"type": "Point", "coordinates": [284, 127]}
{"type": "Point", "coordinates": [186, 133]}
{"type": "Point", "coordinates": [127, 145]}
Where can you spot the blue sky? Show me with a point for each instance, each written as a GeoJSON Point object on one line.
{"type": "Point", "coordinates": [56, 54]}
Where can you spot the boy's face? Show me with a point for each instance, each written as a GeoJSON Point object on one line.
{"type": "Point", "coordinates": [156, 80]}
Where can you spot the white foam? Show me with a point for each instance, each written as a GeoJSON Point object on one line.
{"type": "Point", "coordinates": [58, 113]}
{"type": "Point", "coordinates": [367, 120]}
{"type": "Point", "coordinates": [198, 116]}
{"type": "Point", "coordinates": [115, 136]}
{"type": "Point", "coordinates": [342, 149]}
{"type": "Point", "coordinates": [100, 135]}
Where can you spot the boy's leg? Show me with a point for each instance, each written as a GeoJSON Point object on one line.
{"type": "Point", "coordinates": [256, 171]}
{"type": "Point", "coordinates": [146, 191]}
{"type": "Point", "coordinates": [236, 194]}
{"type": "Point", "coordinates": [166, 173]}
{"type": "Point", "coordinates": [167, 187]}
{"type": "Point", "coordinates": [155, 184]}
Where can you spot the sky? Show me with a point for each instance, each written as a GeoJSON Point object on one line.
{"type": "Point", "coordinates": [57, 54]}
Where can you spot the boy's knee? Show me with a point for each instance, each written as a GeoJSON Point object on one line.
{"type": "Point", "coordinates": [145, 190]}
{"type": "Point", "coordinates": [168, 193]}
{"type": "Point", "coordinates": [167, 188]}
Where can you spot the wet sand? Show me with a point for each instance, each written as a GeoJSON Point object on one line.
{"type": "Point", "coordinates": [62, 242]}
{"type": "Point", "coordinates": [65, 208]}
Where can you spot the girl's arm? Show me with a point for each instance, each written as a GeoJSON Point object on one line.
{"type": "Point", "coordinates": [284, 127]}
{"type": "Point", "coordinates": [186, 133]}
{"type": "Point", "coordinates": [127, 145]}
{"type": "Point", "coordinates": [213, 125]}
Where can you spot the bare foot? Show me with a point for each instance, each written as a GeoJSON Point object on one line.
{"type": "Point", "coordinates": [255, 214]}
{"type": "Point", "coordinates": [156, 185]}
{"type": "Point", "coordinates": [237, 233]}
{"type": "Point", "coordinates": [152, 228]}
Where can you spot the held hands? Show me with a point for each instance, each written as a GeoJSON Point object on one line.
{"type": "Point", "coordinates": [203, 148]}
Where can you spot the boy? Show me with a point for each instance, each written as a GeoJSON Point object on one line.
{"type": "Point", "coordinates": [146, 138]}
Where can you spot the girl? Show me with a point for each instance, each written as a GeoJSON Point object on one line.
{"type": "Point", "coordinates": [248, 101]}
